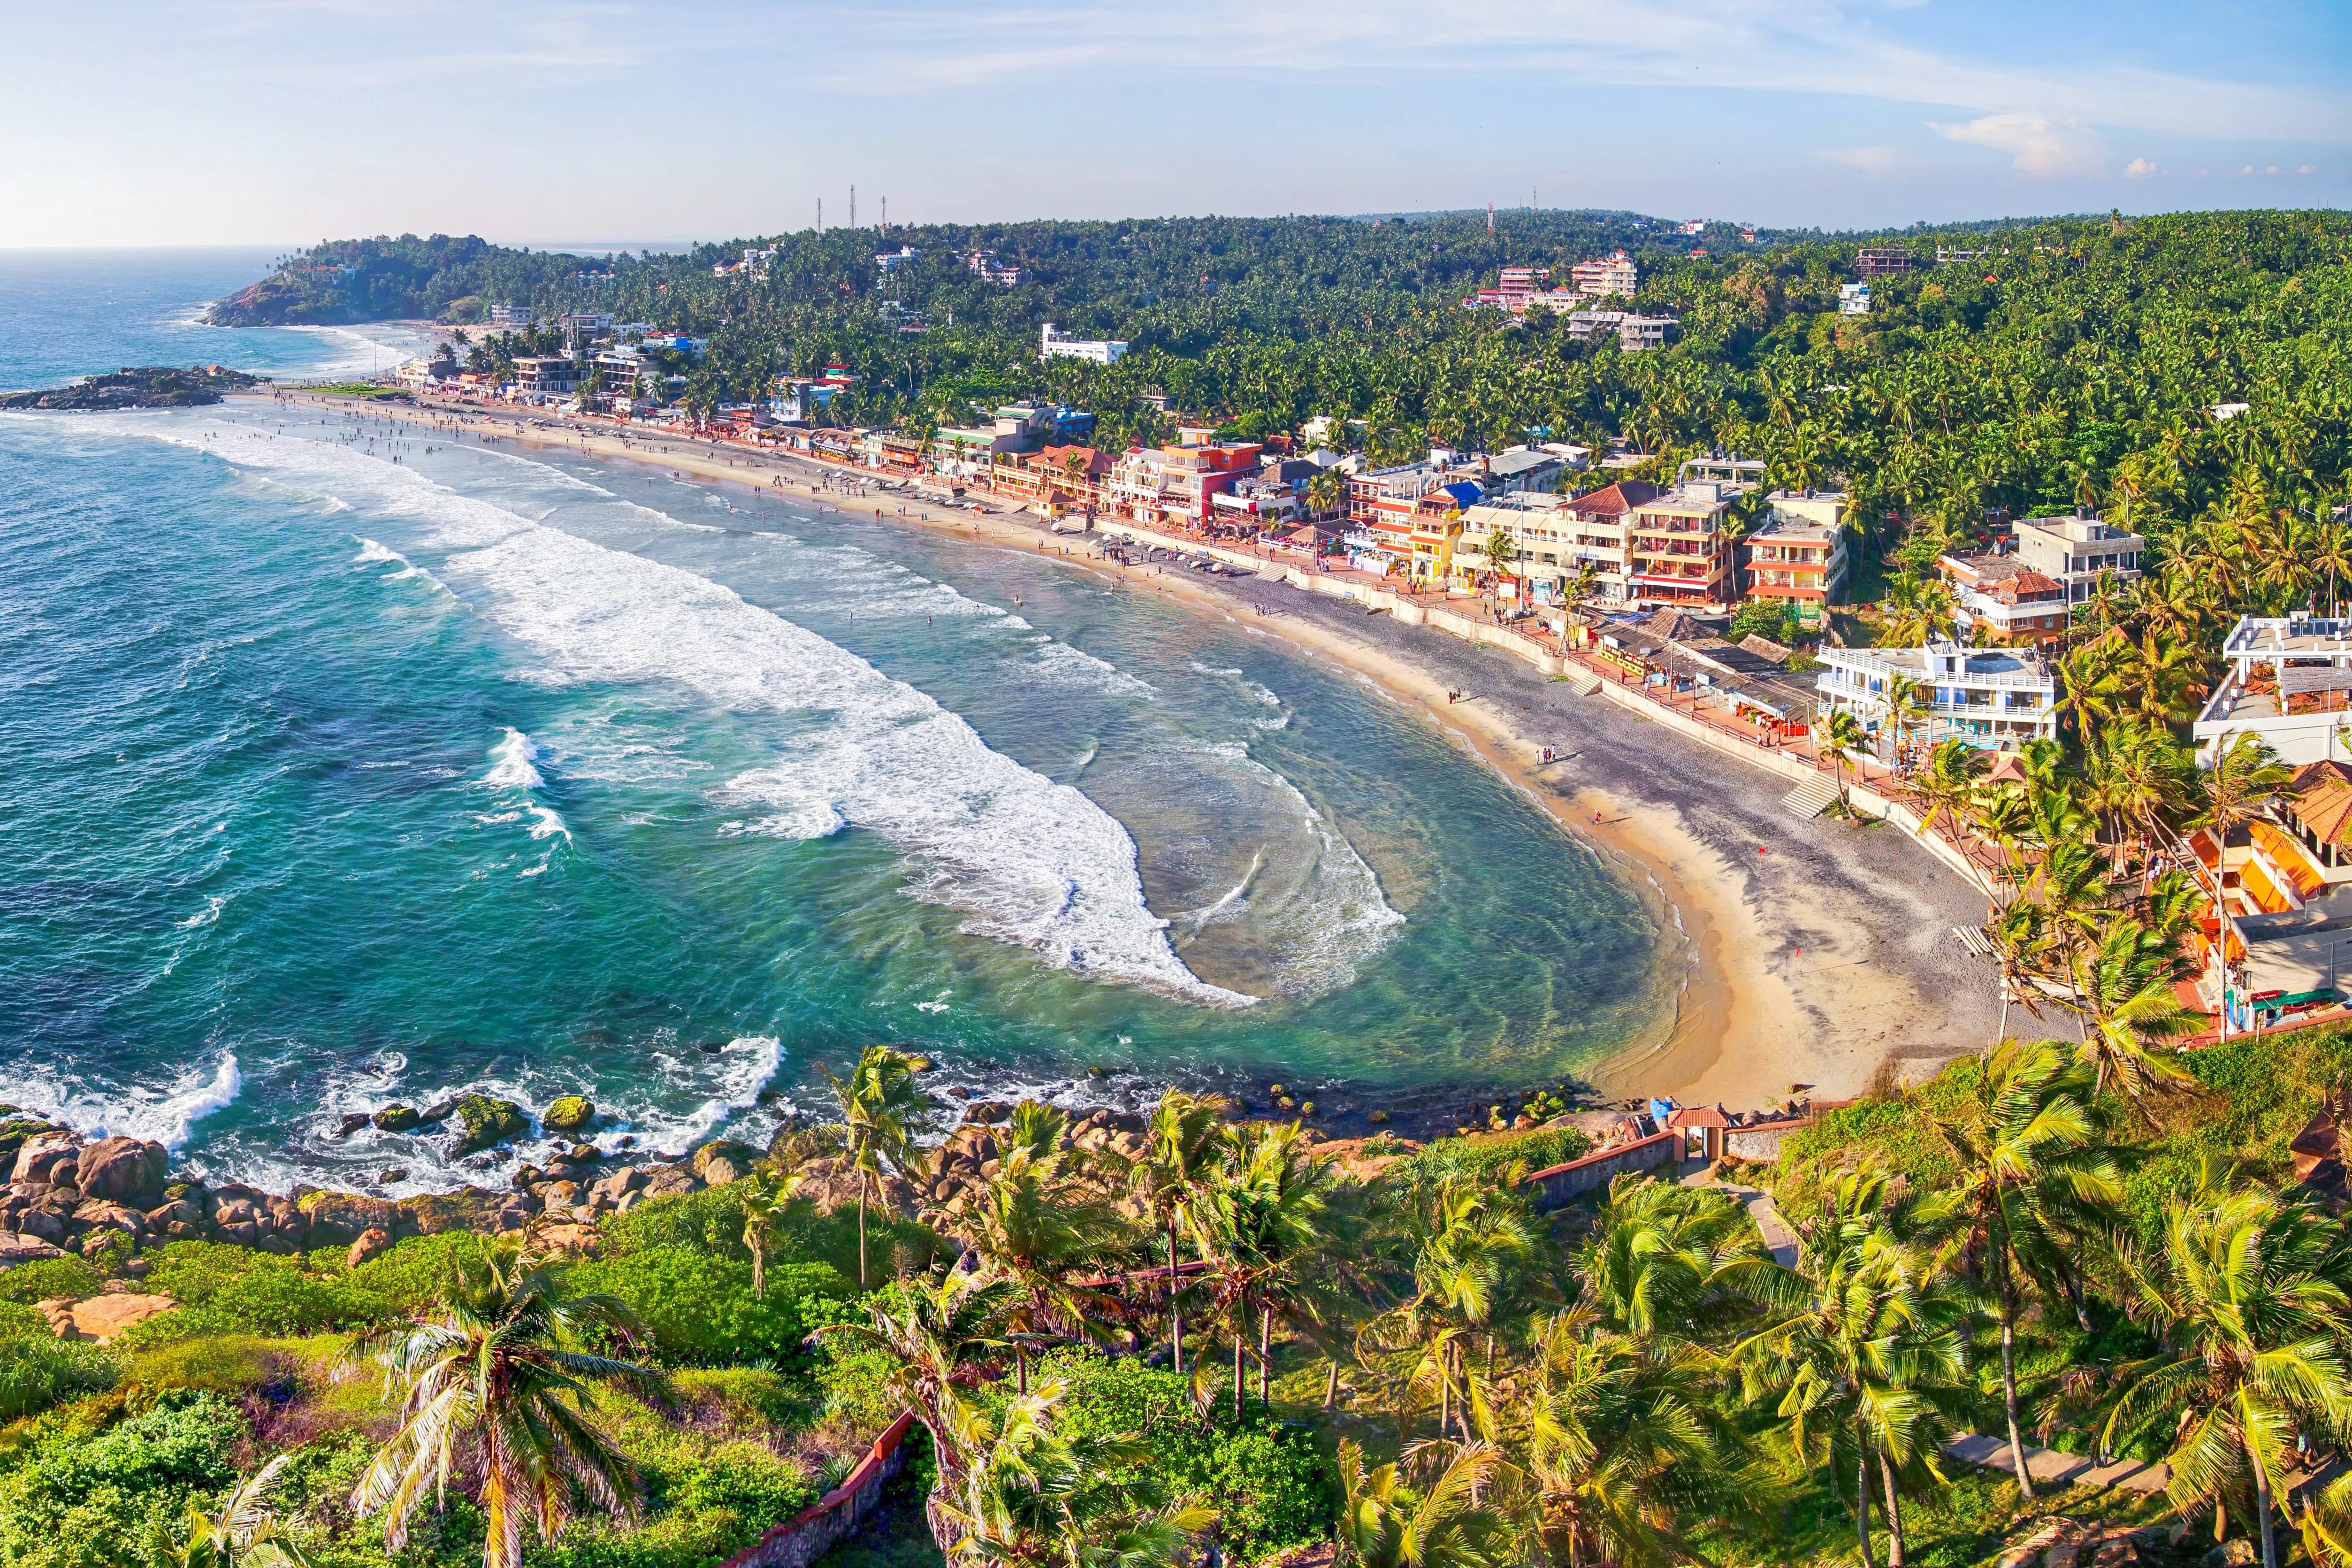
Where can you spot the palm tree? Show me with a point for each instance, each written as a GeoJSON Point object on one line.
{"type": "Point", "coordinates": [495, 1383]}
{"type": "Point", "coordinates": [1844, 735]}
{"type": "Point", "coordinates": [764, 1200]}
{"type": "Point", "coordinates": [1386, 1522]}
{"type": "Point", "coordinates": [1469, 1237]}
{"type": "Point", "coordinates": [2248, 1296]}
{"type": "Point", "coordinates": [1909, 703]}
{"type": "Point", "coordinates": [1166, 1177]}
{"type": "Point", "coordinates": [880, 1103]}
{"type": "Point", "coordinates": [2246, 775]}
{"type": "Point", "coordinates": [1659, 1252]}
{"type": "Point", "coordinates": [1502, 550]}
{"type": "Point", "coordinates": [1949, 783]}
{"type": "Point", "coordinates": [1041, 1227]}
{"type": "Point", "coordinates": [1034, 1498]}
{"type": "Point", "coordinates": [1258, 1225]}
{"type": "Point", "coordinates": [2124, 996]}
{"type": "Point", "coordinates": [936, 1331]}
{"type": "Point", "coordinates": [244, 1532]}
{"type": "Point", "coordinates": [1618, 1442]}
{"type": "Point", "coordinates": [1325, 492]}
{"type": "Point", "coordinates": [1859, 1330]}
{"type": "Point", "coordinates": [2028, 1171]}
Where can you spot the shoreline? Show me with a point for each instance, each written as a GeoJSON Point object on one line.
{"type": "Point", "coordinates": [1797, 971]}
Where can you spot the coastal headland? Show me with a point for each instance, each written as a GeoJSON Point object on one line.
{"type": "Point", "coordinates": [1814, 951]}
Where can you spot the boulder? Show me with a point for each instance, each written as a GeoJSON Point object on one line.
{"type": "Point", "coordinates": [487, 1120]}
{"type": "Point", "coordinates": [122, 1171]}
{"type": "Point", "coordinates": [176, 1211]}
{"type": "Point", "coordinates": [569, 1113]}
{"type": "Point", "coordinates": [397, 1118]}
{"type": "Point", "coordinates": [337, 1220]}
{"type": "Point", "coordinates": [669, 1181]}
{"type": "Point", "coordinates": [98, 1213]}
{"type": "Point", "coordinates": [42, 1224]}
{"type": "Point", "coordinates": [39, 1154]}
{"type": "Point", "coordinates": [440, 1110]}
{"type": "Point", "coordinates": [13, 1133]}
{"type": "Point", "coordinates": [372, 1241]}
{"type": "Point", "coordinates": [572, 1238]}
{"type": "Point", "coordinates": [616, 1184]}
{"type": "Point", "coordinates": [101, 1318]}
{"type": "Point", "coordinates": [351, 1122]}
{"type": "Point", "coordinates": [724, 1151]}
{"type": "Point", "coordinates": [16, 1249]}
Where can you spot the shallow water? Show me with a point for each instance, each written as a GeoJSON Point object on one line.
{"type": "Point", "coordinates": [334, 780]}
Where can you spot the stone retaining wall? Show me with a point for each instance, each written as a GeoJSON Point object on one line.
{"type": "Point", "coordinates": [1562, 1183]}
{"type": "Point", "coordinates": [807, 1535]}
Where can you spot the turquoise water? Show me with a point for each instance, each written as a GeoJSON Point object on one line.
{"type": "Point", "coordinates": [332, 780]}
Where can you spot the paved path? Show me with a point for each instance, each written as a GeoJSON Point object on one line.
{"type": "Point", "coordinates": [2049, 1468]}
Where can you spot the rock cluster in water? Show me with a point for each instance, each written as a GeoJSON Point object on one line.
{"type": "Point", "coordinates": [151, 386]}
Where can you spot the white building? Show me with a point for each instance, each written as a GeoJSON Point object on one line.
{"type": "Point", "coordinates": [887, 259]}
{"type": "Point", "coordinates": [1634, 332]}
{"type": "Point", "coordinates": [2078, 551]}
{"type": "Point", "coordinates": [1990, 697]}
{"type": "Point", "coordinates": [1100, 351]}
{"type": "Point", "coordinates": [2290, 683]}
{"type": "Point", "coordinates": [1853, 299]}
{"type": "Point", "coordinates": [1616, 274]}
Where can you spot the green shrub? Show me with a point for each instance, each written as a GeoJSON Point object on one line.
{"type": "Point", "coordinates": [236, 1289]}
{"type": "Point", "coordinates": [1264, 1479]}
{"type": "Point", "coordinates": [743, 1479]}
{"type": "Point", "coordinates": [408, 1276]}
{"type": "Point", "coordinates": [1485, 1155]}
{"type": "Point", "coordinates": [225, 1364]}
{"type": "Point", "coordinates": [38, 1370]}
{"type": "Point", "coordinates": [50, 1279]}
{"type": "Point", "coordinates": [713, 1221]}
{"type": "Point", "coordinates": [744, 1397]}
{"type": "Point", "coordinates": [699, 1309]}
{"type": "Point", "coordinates": [118, 1497]}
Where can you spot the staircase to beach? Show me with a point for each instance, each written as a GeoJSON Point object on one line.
{"type": "Point", "coordinates": [1811, 798]}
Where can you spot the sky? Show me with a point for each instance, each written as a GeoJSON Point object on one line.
{"type": "Point", "coordinates": [284, 121]}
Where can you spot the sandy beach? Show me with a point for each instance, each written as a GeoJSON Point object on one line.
{"type": "Point", "coordinates": [1815, 950]}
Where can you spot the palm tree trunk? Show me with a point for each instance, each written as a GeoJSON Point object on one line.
{"type": "Point", "coordinates": [1332, 1382]}
{"type": "Point", "coordinates": [1238, 1338]}
{"type": "Point", "coordinates": [1175, 1313]}
{"type": "Point", "coordinates": [1444, 1391]}
{"type": "Point", "coordinates": [2263, 1503]}
{"type": "Point", "coordinates": [1893, 1515]}
{"type": "Point", "coordinates": [1265, 1353]}
{"type": "Point", "coordinates": [2009, 1356]}
{"type": "Point", "coordinates": [861, 1237]}
{"type": "Point", "coordinates": [1862, 1495]}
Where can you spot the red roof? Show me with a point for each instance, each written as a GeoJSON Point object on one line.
{"type": "Point", "coordinates": [1618, 498]}
{"type": "Point", "coordinates": [1698, 1116]}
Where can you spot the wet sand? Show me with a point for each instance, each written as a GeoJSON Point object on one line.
{"type": "Point", "coordinates": [1813, 951]}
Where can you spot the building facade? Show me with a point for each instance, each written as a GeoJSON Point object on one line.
{"type": "Point", "coordinates": [2289, 685]}
{"type": "Point", "coordinates": [1097, 351]}
{"type": "Point", "coordinates": [2078, 551]}
{"type": "Point", "coordinates": [1993, 698]}
{"type": "Point", "coordinates": [1797, 554]}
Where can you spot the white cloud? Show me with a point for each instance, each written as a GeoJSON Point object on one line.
{"type": "Point", "coordinates": [2308, 169]}
{"type": "Point", "coordinates": [1878, 163]}
{"type": "Point", "coordinates": [2037, 146]}
{"type": "Point", "coordinates": [2139, 169]}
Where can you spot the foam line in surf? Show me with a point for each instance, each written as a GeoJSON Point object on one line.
{"type": "Point", "coordinates": [1025, 860]}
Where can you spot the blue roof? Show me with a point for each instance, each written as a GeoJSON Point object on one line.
{"type": "Point", "coordinates": [1464, 492]}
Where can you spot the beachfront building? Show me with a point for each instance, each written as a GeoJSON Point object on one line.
{"type": "Point", "coordinates": [2079, 551]}
{"type": "Point", "coordinates": [1797, 555]}
{"type": "Point", "coordinates": [1155, 484]}
{"type": "Point", "coordinates": [1995, 699]}
{"type": "Point", "coordinates": [2009, 600]}
{"type": "Point", "coordinates": [1540, 528]}
{"type": "Point", "coordinates": [543, 376]}
{"type": "Point", "coordinates": [2289, 684]}
{"type": "Point", "coordinates": [1097, 351]}
{"type": "Point", "coordinates": [1056, 480]}
{"type": "Point", "coordinates": [1680, 546]}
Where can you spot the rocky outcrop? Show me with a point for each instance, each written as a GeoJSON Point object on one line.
{"type": "Point", "coordinates": [397, 1118]}
{"type": "Point", "coordinates": [123, 1171]}
{"type": "Point", "coordinates": [488, 1121]}
{"type": "Point", "coordinates": [569, 1113]}
{"type": "Point", "coordinates": [152, 386]}
{"type": "Point", "coordinates": [104, 1318]}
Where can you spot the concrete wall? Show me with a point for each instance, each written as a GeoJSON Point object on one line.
{"type": "Point", "coordinates": [1564, 1184]}
{"type": "Point", "coordinates": [807, 1535]}
{"type": "Point", "coordinates": [1762, 1142]}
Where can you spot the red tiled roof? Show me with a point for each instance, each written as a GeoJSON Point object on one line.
{"type": "Point", "coordinates": [1698, 1116]}
{"type": "Point", "coordinates": [1616, 500]}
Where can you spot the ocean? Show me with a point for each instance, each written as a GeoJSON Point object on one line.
{"type": "Point", "coordinates": [344, 765]}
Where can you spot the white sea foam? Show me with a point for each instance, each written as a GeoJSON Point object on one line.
{"type": "Point", "coordinates": [205, 916]}
{"type": "Point", "coordinates": [372, 550]}
{"type": "Point", "coordinates": [1026, 860]}
{"type": "Point", "coordinates": [510, 763]}
{"type": "Point", "coordinates": [164, 1114]}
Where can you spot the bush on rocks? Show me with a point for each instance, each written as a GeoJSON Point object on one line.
{"type": "Point", "coordinates": [51, 1280]}
{"type": "Point", "coordinates": [569, 1113]}
{"type": "Point", "coordinates": [79, 1501]}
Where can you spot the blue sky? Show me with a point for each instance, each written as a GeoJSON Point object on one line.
{"type": "Point", "coordinates": [225, 121]}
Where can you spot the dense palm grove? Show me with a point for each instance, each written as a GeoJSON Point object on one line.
{"type": "Point", "coordinates": [1212, 1334]}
